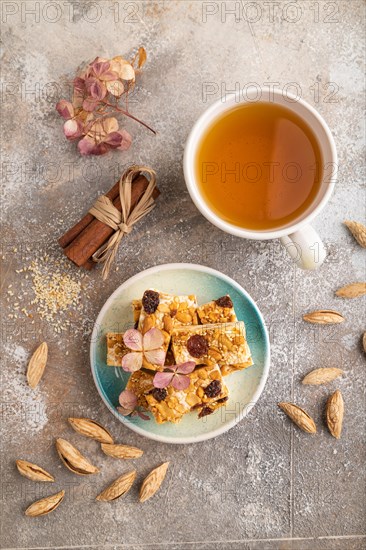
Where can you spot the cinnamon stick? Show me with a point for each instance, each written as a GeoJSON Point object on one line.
{"type": "Point", "coordinates": [89, 265]}
{"type": "Point", "coordinates": [72, 233]}
{"type": "Point", "coordinates": [96, 233]}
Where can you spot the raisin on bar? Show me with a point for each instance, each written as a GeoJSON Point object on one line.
{"type": "Point", "coordinates": [165, 311]}
{"type": "Point", "coordinates": [217, 311]}
{"type": "Point", "coordinates": [206, 393]}
{"type": "Point", "coordinates": [223, 344]}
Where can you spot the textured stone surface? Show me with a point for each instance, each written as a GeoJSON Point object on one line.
{"type": "Point", "coordinates": [264, 485]}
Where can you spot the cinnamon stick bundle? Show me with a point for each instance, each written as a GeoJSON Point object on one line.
{"type": "Point", "coordinates": [89, 234]}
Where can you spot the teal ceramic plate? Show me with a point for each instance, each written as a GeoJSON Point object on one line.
{"type": "Point", "coordinates": [245, 386]}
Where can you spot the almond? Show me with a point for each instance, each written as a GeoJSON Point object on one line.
{"type": "Point", "coordinates": [153, 481]}
{"type": "Point", "coordinates": [136, 306]}
{"type": "Point", "coordinates": [32, 471]}
{"type": "Point", "coordinates": [323, 317]}
{"type": "Point", "coordinates": [73, 459]}
{"type": "Point", "coordinates": [299, 416]}
{"type": "Point", "coordinates": [119, 487]}
{"type": "Point", "coordinates": [45, 505]}
{"type": "Point", "coordinates": [90, 428]}
{"type": "Point", "coordinates": [149, 322]}
{"type": "Point", "coordinates": [354, 290]}
{"type": "Point", "coordinates": [121, 451]}
{"type": "Point", "coordinates": [184, 317]}
{"type": "Point", "coordinates": [358, 230]}
{"type": "Point", "coordinates": [226, 342]}
{"type": "Point", "coordinates": [215, 354]}
{"type": "Point", "coordinates": [322, 376]}
{"type": "Point", "coordinates": [334, 414]}
{"type": "Point", "coordinates": [168, 323]}
{"type": "Point", "coordinates": [36, 365]}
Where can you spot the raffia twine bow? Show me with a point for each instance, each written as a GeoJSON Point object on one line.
{"type": "Point", "coordinates": [122, 222]}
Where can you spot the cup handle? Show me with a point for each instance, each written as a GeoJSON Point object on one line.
{"type": "Point", "coordinates": [305, 248]}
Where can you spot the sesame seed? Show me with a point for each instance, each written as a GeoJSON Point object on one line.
{"type": "Point", "coordinates": [54, 292]}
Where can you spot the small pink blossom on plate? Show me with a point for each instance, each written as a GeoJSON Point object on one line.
{"type": "Point", "coordinates": [128, 402]}
{"type": "Point", "coordinates": [147, 346]}
{"type": "Point", "coordinates": [141, 414]}
{"type": "Point", "coordinates": [175, 376]}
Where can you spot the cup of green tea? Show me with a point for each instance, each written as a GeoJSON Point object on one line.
{"type": "Point", "coordinates": [262, 167]}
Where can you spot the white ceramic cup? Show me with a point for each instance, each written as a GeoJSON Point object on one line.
{"type": "Point", "coordinates": [300, 239]}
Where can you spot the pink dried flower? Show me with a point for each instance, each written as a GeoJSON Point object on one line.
{"type": "Point", "coordinates": [147, 346]}
{"type": "Point", "coordinates": [97, 93]}
{"type": "Point", "coordinates": [103, 136]}
{"type": "Point", "coordinates": [128, 402]}
{"type": "Point", "coordinates": [79, 84]}
{"type": "Point", "coordinates": [141, 414]}
{"type": "Point", "coordinates": [96, 88]}
{"type": "Point", "coordinates": [73, 129]}
{"type": "Point", "coordinates": [100, 68]}
{"type": "Point", "coordinates": [65, 109]}
{"type": "Point", "coordinates": [175, 376]}
{"type": "Point", "coordinates": [90, 104]}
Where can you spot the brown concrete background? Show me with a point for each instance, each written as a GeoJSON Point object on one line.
{"type": "Point", "coordinates": [264, 485]}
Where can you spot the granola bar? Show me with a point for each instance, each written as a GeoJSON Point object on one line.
{"type": "Point", "coordinates": [166, 311]}
{"type": "Point", "coordinates": [206, 393]}
{"type": "Point", "coordinates": [140, 383]}
{"type": "Point", "coordinates": [116, 349]}
{"type": "Point", "coordinates": [217, 311]}
{"type": "Point", "coordinates": [222, 344]}
{"type": "Point", "coordinates": [136, 309]}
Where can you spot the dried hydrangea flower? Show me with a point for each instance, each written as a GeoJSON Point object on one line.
{"type": "Point", "coordinates": [175, 376]}
{"type": "Point", "coordinates": [97, 92]}
{"type": "Point", "coordinates": [128, 402]}
{"type": "Point", "coordinates": [147, 346]}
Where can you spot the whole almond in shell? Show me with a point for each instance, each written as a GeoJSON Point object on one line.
{"type": "Point", "coordinates": [91, 428]}
{"type": "Point", "coordinates": [354, 290]}
{"type": "Point", "coordinates": [36, 365]}
{"type": "Point", "coordinates": [358, 230]}
{"type": "Point", "coordinates": [119, 487]}
{"type": "Point", "coordinates": [323, 317]}
{"type": "Point", "coordinates": [32, 471]}
{"type": "Point", "coordinates": [334, 414]}
{"type": "Point", "coordinates": [300, 417]}
{"type": "Point", "coordinates": [45, 505]}
{"type": "Point", "coordinates": [73, 459]}
{"type": "Point", "coordinates": [153, 481]}
{"type": "Point", "coordinates": [121, 451]}
{"type": "Point", "coordinates": [322, 376]}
